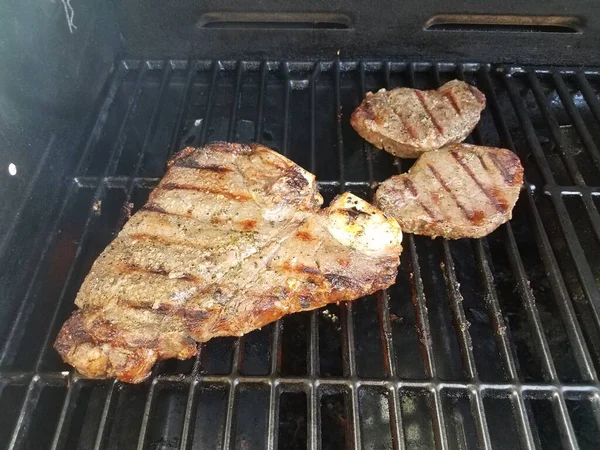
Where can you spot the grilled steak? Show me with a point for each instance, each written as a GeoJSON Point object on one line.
{"type": "Point", "coordinates": [456, 192]}
{"type": "Point", "coordinates": [232, 238]}
{"type": "Point", "coordinates": [407, 122]}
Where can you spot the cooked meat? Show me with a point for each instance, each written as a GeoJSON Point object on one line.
{"type": "Point", "coordinates": [456, 192]}
{"type": "Point", "coordinates": [232, 238]}
{"type": "Point", "coordinates": [407, 122]}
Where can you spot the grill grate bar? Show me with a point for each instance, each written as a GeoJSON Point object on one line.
{"type": "Point", "coordinates": [273, 413]}
{"type": "Point", "coordinates": [287, 83]}
{"type": "Point", "coordinates": [66, 413]}
{"type": "Point", "coordinates": [190, 408]}
{"type": "Point", "coordinates": [182, 110]}
{"type": "Point", "coordinates": [18, 327]}
{"type": "Point", "coordinates": [313, 403]}
{"type": "Point", "coordinates": [540, 159]}
{"type": "Point", "coordinates": [32, 397]}
{"type": "Point", "coordinates": [98, 196]}
{"type": "Point", "coordinates": [398, 440]}
{"type": "Point", "coordinates": [574, 115]}
{"type": "Point", "coordinates": [419, 299]}
{"type": "Point", "coordinates": [582, 355]}
{"type": "Point", "coordinates": [555, 278]}
{"type": "Point", "coordinates": [587, 140]}
{"type": "Point", "coordinates": [235, 105]}
{"type": "Point", "coordinates": [584, 272]}
{"type": "Point", "coordinates": [228, 432]}
{"type": "Point", "coordinates": [453, 289]}
{"type": "Point", "coordinates": [143, 435]}
{"type": "Point", "coordinates": [383, 307]}
{"type": "Point", "coordinates": [588, 94]}
{"type": "Point", "coordinates": [188, 420]}
{"type": "Point", "coordinates": [565, 427]}
{"type": "Point", "coordinates": [190, 411]}
{"type": "Point", "coordinates": [150, 131]}
{"type": "Point", "coordinates": [216, 68]}
{"type": "Point", "coordinates": [349, 355]}
{"type": "Point", "coordinates": [540, 97]}
{"type": "Point", "coordinates": [366, 147]}
{"type": "Point", "coordinates": [228, 438]}
{"type": "Point", "coordinates": [264, 72]}
{"type": "Point", "coordinates": [121, 182]}
{"type": "Point", "coordinates": [491, 300]}
{"type": "Point", "coordinates": [548, 369]}
{"type": "Point", "coordinates": [439, 426]}
{"type": "Point", "coordinates": [314, 76]}
{"type": "Point", "coordinates": [460, 319]}
{"type": "Point", "coordinates": [148, 408]}
{"type": "Point", "coordinates": [577, 254]}
{"type": "Point", "coordinates": [329, 384]}
{"type": "Point", "coordinates": [107, 415]}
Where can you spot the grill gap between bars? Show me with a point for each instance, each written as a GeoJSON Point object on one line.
{"type": "Point", "coordinates": [317, 81]}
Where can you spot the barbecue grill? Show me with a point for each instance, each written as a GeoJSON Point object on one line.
{"type": "Point", "coordinates": [490, 343]}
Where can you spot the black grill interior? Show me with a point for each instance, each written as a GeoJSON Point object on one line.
{"type": "Point", "coordinates": [491, 343]}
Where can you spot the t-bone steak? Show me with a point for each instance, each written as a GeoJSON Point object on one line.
{"type": "Point", "coordinates": [231, 239]}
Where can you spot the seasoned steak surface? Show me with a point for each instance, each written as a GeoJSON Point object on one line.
{"type": "Point", "coordinates": [407, 122]}
{"type": "Point", "coordinates": [455, 192]}
{"type": "Point", "coordinates": [231, 239]}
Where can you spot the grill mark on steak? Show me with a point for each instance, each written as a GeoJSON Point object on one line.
{"type": "Point", "coordinates": [340, 281]}
{"type": "Point", "coordinates": [299, 268]}
{"type": "Point", "coordinates": [405, 122]}
{"type": "Point", "coordinates": [207, 190]}
{"type": "Point", "coordinates": [248, 224]}
{"type": "Point", "coordinates": [151, 207]}
{"type": "Point", "coordinates": [433, 119]}
{"type": "Point", "coordinates": [498, 204]}
{"type": "Point", "coordinates": [477, 94]}
{"type": "Point", "coordinates": [164, 240]}
{"type": "Point", "coordinates": [450, 96]}
{"type": "Point", "coordinates": [128, 267]}
{"type": "Point", "coordinates": [411, 187]}
{"type": "Point", "coordinates": [496, 162]}
{"type": "Point", "coordinates": [438, 177]}
{"type": "Point", "coordinates": [304, 236]}
{"type": "Point", "coordinates": [157, 209]}
{"type": "Point", "coordinates": [483, 163]}
{"type": "Point", "coordinates": [295, 179]}
{"type": "Point", "coordinates": [180, 156]}
{"type": "Point", "coordinates": [193, 164]}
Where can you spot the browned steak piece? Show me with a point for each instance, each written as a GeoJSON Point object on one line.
{"type": "Point", "coordinates": [232, 238]}
{"type": "Point", "coordinates": [456, 192]}
{"type": "Point", "coordinates": [407, 122]}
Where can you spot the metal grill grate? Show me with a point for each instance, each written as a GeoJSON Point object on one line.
{"type": "Point", "coordinates": [493, 343]}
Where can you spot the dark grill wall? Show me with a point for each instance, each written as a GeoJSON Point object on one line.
{"type": "Point", "coordinates": [490, 343]}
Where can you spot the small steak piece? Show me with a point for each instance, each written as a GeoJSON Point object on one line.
{"type": "Point", "coordinates": [231, 239]}
{"type": "Point", "coordinates": [459, 191]}
{"type": "Point", "coordinates": [408, 122]}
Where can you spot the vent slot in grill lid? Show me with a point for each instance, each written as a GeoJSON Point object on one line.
{"type": "Point", "coordinates": [504, 23]}
{"type": "Point", "coordinates": [270, 20]}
